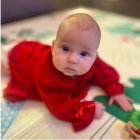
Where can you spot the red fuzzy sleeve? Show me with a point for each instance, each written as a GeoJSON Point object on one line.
{"type": "Point", "coordinates": [107, 78]}
{"type": "Point", "coordinates": [66, 108]}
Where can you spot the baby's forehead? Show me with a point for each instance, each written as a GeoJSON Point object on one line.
{"type": "Point", "coordinates": [79, 22]}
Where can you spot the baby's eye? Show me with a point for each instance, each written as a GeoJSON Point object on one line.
{"type": "Point", "coordinates": [84, 53]}
{"type": "Point", "coordinates": [65, 48]}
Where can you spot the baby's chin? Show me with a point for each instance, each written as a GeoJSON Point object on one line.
{"type": "Point", "coordinates": [72, 74]}
{"type": "Point", "coordinates": [69, 74]}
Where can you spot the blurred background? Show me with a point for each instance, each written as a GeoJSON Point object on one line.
{"type": "Point", "coordinates": [119, 47]}
{"type": "Point", "coordinates": [19, 9]}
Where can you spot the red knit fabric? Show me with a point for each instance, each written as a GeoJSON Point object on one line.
{"type": "Point", "coordinates": [33, 76]}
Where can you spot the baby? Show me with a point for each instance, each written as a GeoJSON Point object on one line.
{"type": "Point", "coordinates": [61, 75]}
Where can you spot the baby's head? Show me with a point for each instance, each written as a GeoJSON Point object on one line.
{"type": "Point", "coordinates": [75, 48]}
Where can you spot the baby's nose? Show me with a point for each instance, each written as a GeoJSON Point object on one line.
{"type": "Point", "coordinates": [72, 58]}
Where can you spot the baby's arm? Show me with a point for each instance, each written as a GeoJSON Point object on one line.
{"type": "Point", "coordinates": [107, 77]}
{"type": "Point", "coordinates": [66, 108]}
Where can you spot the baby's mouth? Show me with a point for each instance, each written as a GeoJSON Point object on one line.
{"type": "Point", "coordinates": [70, 69]}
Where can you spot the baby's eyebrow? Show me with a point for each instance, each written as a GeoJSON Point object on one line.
{"type": "Point", "coordinates": [66, 41]}
{"type": "Point", "coordinates": [87, 48]}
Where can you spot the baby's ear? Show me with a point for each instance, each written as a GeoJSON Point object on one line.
{"type": "Point", "coordinates": [53, 42]}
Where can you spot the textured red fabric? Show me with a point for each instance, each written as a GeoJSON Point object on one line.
{"type": "Point", "coordinates": [33, 76]}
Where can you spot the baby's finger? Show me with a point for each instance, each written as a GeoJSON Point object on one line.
{"type": "Point", "coordinates": [110, 102]}
{"type": "Point", "coordinates": [121, 104]}
{"type": "Point", "coordinates": [127, 106]}
{"type": "Point", "coordinates": [130, 100]}
{"type": "Point", "coordinates": [130, 108]}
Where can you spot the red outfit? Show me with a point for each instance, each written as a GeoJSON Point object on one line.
{"type": "Point", "coordinates": [33, 76]}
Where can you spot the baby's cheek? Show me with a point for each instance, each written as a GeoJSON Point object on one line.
{"type": "Point", "coordinates": [85, 67]}
{"type": "Point", "coordinates": [59, 61]}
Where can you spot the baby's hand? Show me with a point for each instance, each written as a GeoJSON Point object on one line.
{"type": "Point", "coordinates": [99, 110]}
{"type": "Point", "coordinates": [123, 101]}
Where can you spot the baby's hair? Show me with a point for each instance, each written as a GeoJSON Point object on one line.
{"type": "Point", "coordinates": [80, 20]}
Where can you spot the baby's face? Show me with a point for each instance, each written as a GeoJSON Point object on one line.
{"type": "Point", "coordinates": [75, 51]}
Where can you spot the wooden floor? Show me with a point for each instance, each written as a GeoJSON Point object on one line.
{"type": "Point", "coordinates": [16, 10]}
{"type": "Point", "coordinates": [126, 7]}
